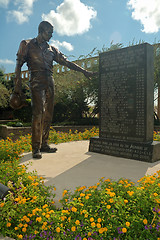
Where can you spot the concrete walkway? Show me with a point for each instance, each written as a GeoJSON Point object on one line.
{"type": "Point", "coordinates": [73, 166]}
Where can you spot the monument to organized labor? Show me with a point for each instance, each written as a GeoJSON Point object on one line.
{"type": "Point", "coordinates": [39, 56]}
{"type": "Point", "coordinates": [126, 98]}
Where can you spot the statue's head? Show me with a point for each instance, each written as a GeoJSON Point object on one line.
{"type": "Point", "coordinates": [45, 29]}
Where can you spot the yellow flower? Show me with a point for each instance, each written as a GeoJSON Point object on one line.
{"type": "Point", "coordinates": [111, 200]}
{"type": "Point", "coordinates": [58, 229]}
{"type": "Point", "coordinates": [87, 197]}
{"type": "Point", "coordinates": [27, 220]}
{"type": "Point", "coordinates": [29, 177]}
{"type": "Point", "coordinates": [25, 225]}
{"type": "Point", "coordinates": [20, 236]}
{"type": "Point", "coordinates": [93, 224]}
{"type": "Point", "coordinates": [63, 218]}
{"type": "Point", "coordinates": [124, 230]}
{"type": "Point", "coordinates": [35, 232]}
{"type": "Point", "coordinates": [101, 230]}
{"type": "Point", "coordinates": [86, 215]}
{"type": "Point", "coordinates": [98, 225]}
{"type": "Point", "coordinates": [99, 220]}
{"type": "Point", "coordinates": [24, 229]}
{"type": "Point", "coordinates": [47, 216]}
{"type": "Point", "coordinates": [43, 227]}
{"type": "Point", "coordinates": [64, 192]}
{"type": "Point", "coordinates": [89, 234]}
{"type": "Point", "coordinates": [130, 193]}
{"type": "Point", "coordinates": [8, 224]}
{"type": "Point", "coordinates": [16, 228]}
{"type": "Point", "coordinates": [38, 219]}
{"type": "Point", "coordinates": [155, 194]}
{"type": "Point", "coordinates": [91, 219]}
{"type": "Point", "coordinates": [20, 225]}
{"type": "Point", "coordinates": [34, 197]}
{"type": "Point", "coordinates": [77, 222]}
{"type": "Point", "coordinates": [45, 205]}
{"type": "Point", "coordinates": [145, 221]}
{"type": "Point", "coordinates": [125, 201]}
{"type": "Point", "coordinates": [84, 238]}
{"type": "Point", "coordinates": [73, 229]}
{"type": "Point", "coordinates": [82, 195]}
{"type": "Point", "coordinates": [108, 206]}
{"type": "Point", "coordinates": [127, 224]}
{"type": "Point", "coordinates": [112, 194]}
{"type": "Point", "coordinates": [74, 209]}
{"type": "Point", "coordinates": [17, 199]}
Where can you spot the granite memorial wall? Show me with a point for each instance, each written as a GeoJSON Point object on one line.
{"type": "Point", "coordinates": [126, 97]}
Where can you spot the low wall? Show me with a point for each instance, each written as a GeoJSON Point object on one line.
{"type": "Point", "coordinates": [15, 132]}
{"type": "Point", "coordinates": [157, 128]}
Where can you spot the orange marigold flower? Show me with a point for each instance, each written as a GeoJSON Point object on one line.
{"type": "Point", "coordinates": [2, 204]}
{"type": "Point", "coordinates": [8, 224]}
{"type": "Point", "coordinates": [20, 236]}
{"type": "Point", "coordinates": [58, 229]}
{"type": "Point", "coordinates": [24, 229]}
{"type": "Point", "coordinates": [74, 209]}
{"type": "Point", "coordinates": [145, 221]}
{"type": "Point", "coordinates": [127, 224]}
{"type": "Point", "coordinates": [73, 229]}
{"type": "Point", "coordinates": [91, 219]}
{"type": "Point", "coordinates": [98, 225]}
{"type": "Point", "coordinates": [124, 230]}
{"type": "Point", "coordinates": [101, 230]}
{"type": "Point", "coordinates": [93, 224]}
{"type": "Point", "coordinates": [77, 222]}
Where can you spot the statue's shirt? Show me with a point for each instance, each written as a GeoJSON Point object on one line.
{"type": "Point", "coordinates": [39, 59]}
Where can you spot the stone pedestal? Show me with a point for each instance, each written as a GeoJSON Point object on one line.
{"type": "Point", "coordinates": [147, 152]}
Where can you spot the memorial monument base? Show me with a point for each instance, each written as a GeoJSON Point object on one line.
{"type": "Point", "coordinates": [147, 152]}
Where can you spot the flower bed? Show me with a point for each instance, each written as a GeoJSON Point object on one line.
{"type": "Point", "coordinates": [108, 210]}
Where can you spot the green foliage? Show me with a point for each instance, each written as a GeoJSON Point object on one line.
{"type": "Point", "coordinates": [113, 210]}
{"type": "Point", "coordinates": [4, 92]}
{"type": "Point", "coordinates": [107, 210]}
{"type": "Point", "coordinates": [74, 94]}
{"type": "Point", "coordinates": [156, 64]}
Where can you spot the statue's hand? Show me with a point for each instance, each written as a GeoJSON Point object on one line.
{"type": "Point", "coordinates": [90, 74]}
{"type": "Point", "coordinates": [17, 86]}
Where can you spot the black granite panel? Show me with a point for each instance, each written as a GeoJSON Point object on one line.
{"type": "Point", "coordinates": [126, 94]}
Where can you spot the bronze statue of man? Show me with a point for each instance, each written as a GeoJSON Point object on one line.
{"type": "Point", "coordinates": [39, 56]}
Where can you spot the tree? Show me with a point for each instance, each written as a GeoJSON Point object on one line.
{"type": "Point", "coordinates": [4, 92]}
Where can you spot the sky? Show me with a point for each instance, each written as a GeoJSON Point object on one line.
{"type": "Point", "coordinates": [79, 25]}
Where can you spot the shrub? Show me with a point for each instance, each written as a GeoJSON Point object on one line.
{"type": "Point", "coordinates": [107, 210]}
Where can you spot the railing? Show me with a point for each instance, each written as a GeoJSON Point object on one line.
{"type": "Point", "coordinates": [85, 63]}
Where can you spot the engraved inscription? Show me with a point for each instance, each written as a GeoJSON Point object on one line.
{"type": "Point", "coordinates": [123, 89]}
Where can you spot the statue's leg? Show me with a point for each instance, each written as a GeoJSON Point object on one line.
{"type": "Point", "coordinates": [48, 114]}
{"type": "Point", "coordinates": [38, 101]}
